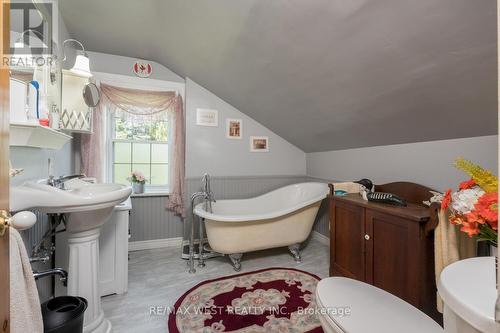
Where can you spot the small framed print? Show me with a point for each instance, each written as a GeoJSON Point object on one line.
{"type": "Point", "coordinates": [234, 128]}
{"type": "Point", "coordinates": [207, 117]}
{"type": "Point", "coordinates": [259, 144]}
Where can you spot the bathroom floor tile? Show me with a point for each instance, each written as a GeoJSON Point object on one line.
{"type": "Point", "coordinates": [157, 278]}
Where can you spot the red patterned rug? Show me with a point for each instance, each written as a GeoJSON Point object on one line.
{"type": "Point", "coordinates": [269, 300]}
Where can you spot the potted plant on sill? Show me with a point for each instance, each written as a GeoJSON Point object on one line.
{"type": "Point", "coordinates": [474, 206]}
{"type": "Point", "coordinates": [138, 181]}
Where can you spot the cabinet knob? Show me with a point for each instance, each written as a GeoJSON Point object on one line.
{"type": "Point", "coordinates": [367, 237]}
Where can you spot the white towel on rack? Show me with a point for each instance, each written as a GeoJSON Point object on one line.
{"type": "Point", "coordinates": [25, 312]}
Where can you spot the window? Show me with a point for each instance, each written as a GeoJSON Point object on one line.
{"type": "Point", "coordinates": [140, 143]}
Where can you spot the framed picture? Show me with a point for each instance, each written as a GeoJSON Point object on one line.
{"type": "Point", "coordinates": [234, 128]}
{"type": "Point", "coordinates": [259, 144]}
{"type": "Point", "coordinates": [207, 117]}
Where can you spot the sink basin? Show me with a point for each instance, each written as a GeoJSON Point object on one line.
{"type": "Point", "coordinates": [87, 206]}
{"type": "Point", "coordinates": [468, 289]}
{"type": "Point", "coordinates": [79, 196]}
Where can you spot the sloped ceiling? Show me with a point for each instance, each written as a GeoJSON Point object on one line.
{"type": "Point", "coordinates": [323, 74]}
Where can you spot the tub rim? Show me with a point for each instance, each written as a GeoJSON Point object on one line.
{"type": "Point", "coordinates": [199, 211]}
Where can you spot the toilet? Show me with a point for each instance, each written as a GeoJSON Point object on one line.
{"type": "Point", "coordinates": [350, 306]}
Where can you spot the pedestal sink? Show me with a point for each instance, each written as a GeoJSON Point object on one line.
{"type": "Point", "coordinates": [86, 207]}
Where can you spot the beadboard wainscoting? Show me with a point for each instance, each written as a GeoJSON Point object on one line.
{"type": "Point", "coordinates": [322, 223]}
{"type": "Point", "coordinates": [250, 186]}
{"type": "Point", "coordinates": [150, 220]}
{"type": "Point", "coordinates": [152, 225]}
{"type": "Point", "coordinates": [239, 187]}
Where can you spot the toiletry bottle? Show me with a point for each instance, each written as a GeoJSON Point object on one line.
{"type": "Point", "coordinates": [33, 101]}
{"type": "Point", "coordinates": [43, 110]}
{"type": "Point", "coordinates": [54, 117]}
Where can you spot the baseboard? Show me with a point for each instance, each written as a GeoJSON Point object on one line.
{"type": "Point", "coordinates": [154, 244]}
{"type": "Point", "coordinates": [320, 238]}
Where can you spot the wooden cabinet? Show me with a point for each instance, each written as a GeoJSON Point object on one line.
{"type": "Point", "coordinates": [387, 246]}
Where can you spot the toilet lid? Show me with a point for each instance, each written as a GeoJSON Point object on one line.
{"type": "Point", "coordinates": [357, 307]}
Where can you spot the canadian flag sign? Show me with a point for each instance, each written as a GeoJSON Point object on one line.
{"type": "Point", "coordinates": [143, 68]}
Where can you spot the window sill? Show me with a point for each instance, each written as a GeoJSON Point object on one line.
{"type": "Point", "coordinates": [151, 193]}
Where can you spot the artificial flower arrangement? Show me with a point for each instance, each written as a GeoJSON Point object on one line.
{"type": "Point", "coordinates": [138, 181]}
{"type": "Point", "coordinates": [137, 177]}
{"type": "Point", "coordinates": [474, 206]}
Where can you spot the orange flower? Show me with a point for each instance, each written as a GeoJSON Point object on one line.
{"type": "Point", "coordinates": [456, 220]}
{"type": "Point", "coordinates": [474, 217]}
{"type": "Point", "coordinates": [487, 207]}
{"type": "Point", "coordinates": [467, 184]}
{"type": "Point", "coordinates": [471, 228]}
{"type": "Point", "coordinates": [446, 200]}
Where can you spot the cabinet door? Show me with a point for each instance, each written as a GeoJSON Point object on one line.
{"type": "Point", "coordinates": [392, 254]}
{"type": "Point", "coordinates": [347, 253]}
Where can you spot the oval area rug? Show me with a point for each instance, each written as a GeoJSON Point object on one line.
{"type": "Point", "coordinates": [268, 300]}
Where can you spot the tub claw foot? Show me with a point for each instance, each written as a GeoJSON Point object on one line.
{"type": "Point", "coordinates": [295, 250]}
{"type": "Point", "coordinates": [236, 261]}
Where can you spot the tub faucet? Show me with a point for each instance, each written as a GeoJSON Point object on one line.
{"type": "Point", "coordinates": [194, 196]}
{"type": "Point", "coordinates": [208, 197]}
{"type": "Point", "coordinates": [208, 194]}
{"type": "Point", "coordinates": [55, 271]}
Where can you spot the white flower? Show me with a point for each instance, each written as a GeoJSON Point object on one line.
{"type": "Point", "coordinates": [463, 201]}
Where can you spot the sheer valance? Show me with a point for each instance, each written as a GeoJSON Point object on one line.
{"type": "Point", "coordinates": [139, 102]}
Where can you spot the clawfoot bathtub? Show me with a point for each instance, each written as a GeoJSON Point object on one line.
{"type": "Point", "coordinates": [283, 217]}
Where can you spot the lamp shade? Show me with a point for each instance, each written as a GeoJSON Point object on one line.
{"type": "Point", "coordinates": [81, 66]}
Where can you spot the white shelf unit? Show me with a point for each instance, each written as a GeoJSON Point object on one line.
{"type": "Point", "coordinates": [36, 136]}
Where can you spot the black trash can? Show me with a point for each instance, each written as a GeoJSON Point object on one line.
{"type": "Point", "coordinates": [64, 314]}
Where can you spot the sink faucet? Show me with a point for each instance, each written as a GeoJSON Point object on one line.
{"type": "Point", "coordinates": [59, 182]}
{"type": "Point", "coordinates": [55, 271]}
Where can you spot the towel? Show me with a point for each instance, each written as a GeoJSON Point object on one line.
{"type": "Point", "coordinates": [349, 187]}
{"type": "Point", "coordinates": [25, 311]}
{"type": "Point", "coordinates": [450, 245]}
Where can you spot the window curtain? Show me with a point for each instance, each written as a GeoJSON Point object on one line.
{"type": "Point", "coordinates": [139, 103]}
{"type": "Point", "coordinates": [450, 245]}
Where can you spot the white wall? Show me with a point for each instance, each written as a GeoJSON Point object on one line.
{"type": "Point", "coordinates": [426, 163]}
{"type": "Point", "coordinates": [34, 161]}
{"type": "Point", "coordinates": [115, 64]}
{"type": "Point", "coordinates": [208, 149]}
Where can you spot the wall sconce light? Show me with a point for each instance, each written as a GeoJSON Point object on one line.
{"type": "Point", "coordinates": [82, 63]}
